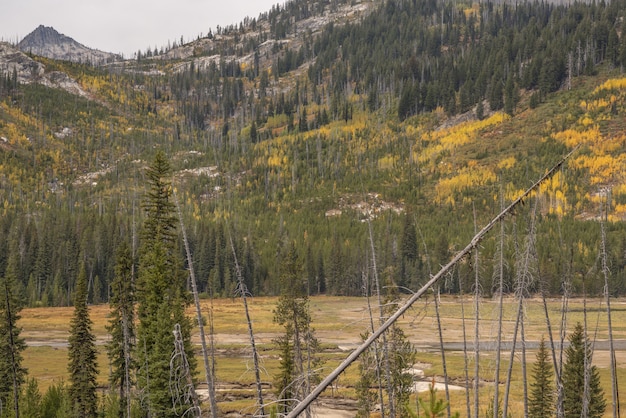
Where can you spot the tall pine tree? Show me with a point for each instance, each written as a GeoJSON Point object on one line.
{"type": "Point", "coordinates": [161, 296]}
{"type": "Point", "coordinates": [11, 344]}
{"type": "Point", "coordinates": [82, 354]}
{"type": "Point", "coordinates": [121, 326]}
{"type": "Point", "coordinates": [578, 357]}
{"type": "Point", "coordinates": [542, 395]}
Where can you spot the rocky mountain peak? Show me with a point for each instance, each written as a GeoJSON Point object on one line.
{"type": "Point", "coordinates": [48, 42]}
{"type": "Point", "coordinates": [44, 36]}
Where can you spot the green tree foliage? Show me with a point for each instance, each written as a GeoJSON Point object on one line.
{"type": "Point", "coordinates": [31, 400]}
{"type": "Point", "coordinates": [366, 396]}
{"type": "Point", "coordinates": [542, 394]}
{"type": "Point", "coordinates": [82, 353]}
{"type": "Point", "coordinates": [298, 345]}
{"type": "Point", "coordinates": [578, 356]}
{"type": "Point", "coordinates": [161, 294]}
{"type": "Point", "coordinates": [121, 325]}
{"type": "Point", "coordinates": [433, 407]}
{"type": "Point", "coordinates": [12, 373]}
{"type": "Point", "coordinates": [56, 402]}
{"type": "Point", "coordinates": [401, 354]}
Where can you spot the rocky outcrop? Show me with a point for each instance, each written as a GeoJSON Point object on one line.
{"type": "Point", "coordinates": [15, 63]}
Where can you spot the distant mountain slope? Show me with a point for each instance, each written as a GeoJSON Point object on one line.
{"type": "Point", "coordinates": [47, 42]}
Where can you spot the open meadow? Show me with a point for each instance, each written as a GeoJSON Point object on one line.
{"type": "Point", "coordinates": [338, 323]}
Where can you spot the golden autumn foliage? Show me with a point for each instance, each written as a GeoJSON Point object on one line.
{"type": "Point", "coordinates": [447, 140]}
{"type": "Point", "coordinates": [611, 84]}
{"type": "Point", "coordinates": [468, 177]}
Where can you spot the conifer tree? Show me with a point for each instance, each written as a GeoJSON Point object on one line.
{"type": "Point", "coordinates": [298, 344]}
{"type": "Point", "coordinates": [401, 353]}
{"type": "Point", "coordinates": [121, 325]}
{"type": "Point", "coordinates": [542, 394]}
{"type": "Point", "coordinates": [161, 295]}
{"type": "Point", "coordinates": [11, 344]}
{"type": "Point", "coordinates": [366, 398]}
{"type": "Point", "coordinates": [31, 399]}
{"type": "Point", "coordinates": [82, 354]}
{"type": "Point", "coordinates": [578, 357]}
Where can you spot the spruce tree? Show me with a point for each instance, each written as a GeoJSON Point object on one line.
{"type": "Point", "coordinates": [161, 296]}
{"type": "Point", "coordinates": [121, 325]}
{"type": "Point", "coordinates": [11, 344]}
{"type": "Point", "coordinates": [578, 356]}
{"type": "Point", "coordinates": [542, 395]}
{"type": "Point", "coordinates": [82, 354]}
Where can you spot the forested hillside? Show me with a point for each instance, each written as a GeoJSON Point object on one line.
{"type": "Point", "coordinates": [300, 125]}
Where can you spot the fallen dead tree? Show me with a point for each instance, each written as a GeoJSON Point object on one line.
{"type": "Point", "coordinates": [434, 279]}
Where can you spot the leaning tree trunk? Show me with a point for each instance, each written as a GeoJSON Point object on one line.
{"type": "Point", "coordinates": [255, 355]}
{"type": "Point", "coordinates": [443, 353]}
{"type": "Point", "coordinates": [376, 353]}
{"type": "Point", "coordinates": [205, 354]}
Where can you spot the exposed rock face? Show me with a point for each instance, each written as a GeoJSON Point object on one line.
{"type": "Point", "coordinates": [47, 42]}
{"type": "Point", "coordinates": [15, 63]}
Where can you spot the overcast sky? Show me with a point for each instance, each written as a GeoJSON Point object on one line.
{"type": "Point", "coordinates": [125, 26]}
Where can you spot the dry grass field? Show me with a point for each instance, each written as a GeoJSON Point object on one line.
{"type": "Point", "coordinates": [338, 322]}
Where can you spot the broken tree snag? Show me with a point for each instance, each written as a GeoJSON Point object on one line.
{"type": "Point", "coordinates": [472, 244]}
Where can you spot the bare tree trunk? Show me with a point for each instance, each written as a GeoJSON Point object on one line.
{"type": "Point", "coordinates": [205, 354]}
{"type": "Point", "coordinates": [441, 348]}
{"type": "Point", "coordinates": [505, 403]}
{"type": "Point", "coordinates": [410, 301]}
{"type": "Point", "coordinates": [524, 374]}
{"type": "Point", "coordinates": [525, 277]}
{"type": "Point", "coordinates": [557, 370]}
{"type": "Point", "coordinates": [476, 327]}
{"type": "Point", "coordinates": [255, 355]}
{"type": "Point", "coordinates": [560, 412]}
{"type": "Point", "coordinates": [376, 354]}
{"type": "Point", "coordinates": [390, 394]}
{"type": "Point", "coordinates": [607, 297]}
{"type": "Point", "coordinates": [465, 359]}
{"type": "Point", "coordinates": [496, 400]}
{"type": "Point", "coordinates": [443, 353]}
{"type": "Point", "coordinates": [587, 366]}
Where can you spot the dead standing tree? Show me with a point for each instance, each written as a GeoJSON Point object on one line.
{"type": "Point", "coordinates": [243, 291]}
{"type": "Point", "coordinates": [298, 409]}
{"type": "Point", "coordinates": [208, 368]}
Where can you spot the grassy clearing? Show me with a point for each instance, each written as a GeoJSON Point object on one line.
{"type": "Point", "coordinates": [338, 322]}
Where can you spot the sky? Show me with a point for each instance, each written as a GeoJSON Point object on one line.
{"type": "Point", "coordinates": [126, 26]}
